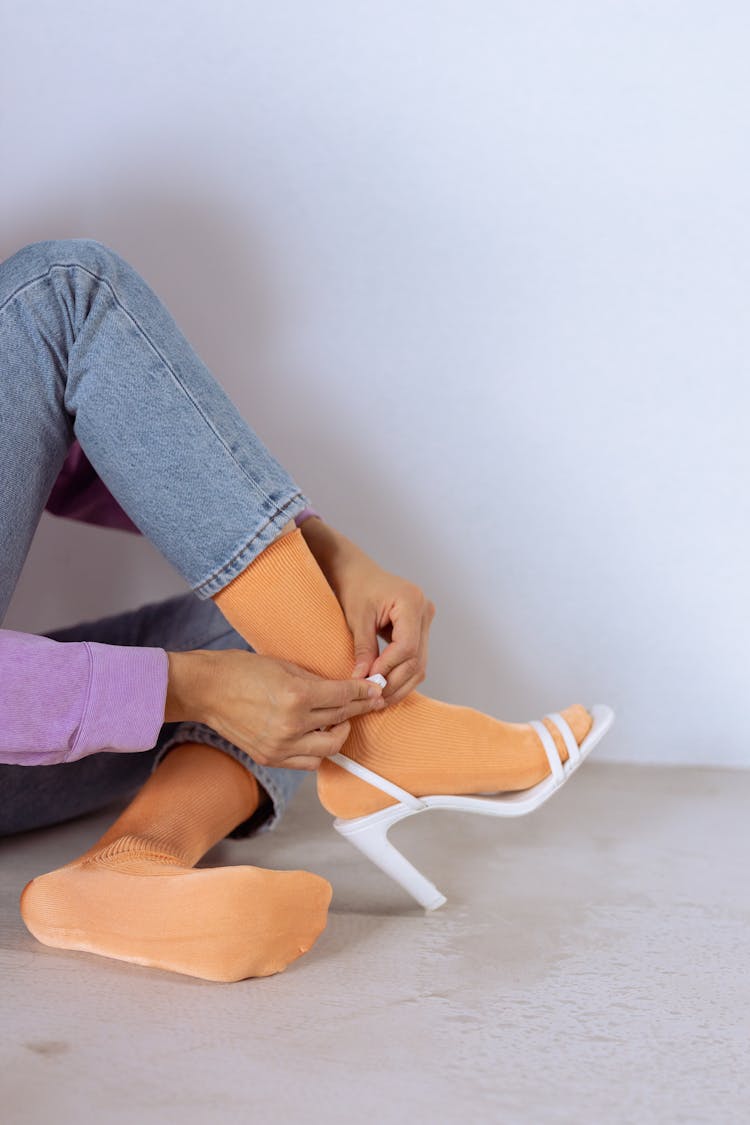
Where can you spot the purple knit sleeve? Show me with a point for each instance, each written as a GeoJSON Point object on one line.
{"type": "Point", "coordinates": [305, 515]}
{"type": "Point", "coordinates": [60, 701]}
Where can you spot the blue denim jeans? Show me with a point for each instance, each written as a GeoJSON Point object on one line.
{"type": "Point", "coordinates": [88, 351]}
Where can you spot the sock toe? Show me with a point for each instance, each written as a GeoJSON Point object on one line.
{"type": "Point", "coordinates": [578, 719]}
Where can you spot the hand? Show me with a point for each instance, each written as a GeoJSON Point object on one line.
{"type": "Point", "coordinates": [271, 708]}
{"type": "Point", "coordinates": [375, 603]}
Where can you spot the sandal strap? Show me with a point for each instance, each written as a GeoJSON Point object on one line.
{"type": "Point", "coordinates": [379, 782]}
{"type": "Point", "coordinates": [569, 738]}
{"type": "Point", "coordinates": [550, 749]}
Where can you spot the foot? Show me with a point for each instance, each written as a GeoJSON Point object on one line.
{"type": "Point", "coordinates": [428, 748]}
{"type": "Point", "coordinates": [133, 903]}
{"type": "Point", "coordinates": [283, 606]}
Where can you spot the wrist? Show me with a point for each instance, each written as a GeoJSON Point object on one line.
{"type": "Point", "coordinates": [329, 547]}
{"type": "Point", "coordinates": [187, 677]}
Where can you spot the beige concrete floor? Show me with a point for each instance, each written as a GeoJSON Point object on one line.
{"type": "Point", "coordinates": [591, 965]}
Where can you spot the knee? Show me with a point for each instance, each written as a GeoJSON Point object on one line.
{"type": "Point", "coordinates": [86, 252]}
{"type": "Point", "coordinates": [76, 251]}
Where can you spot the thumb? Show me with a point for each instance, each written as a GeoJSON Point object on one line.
{"type": "Point", "coordinates": [365, 645]}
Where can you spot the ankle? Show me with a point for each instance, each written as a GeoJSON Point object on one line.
{"type": "Point", "coordinates": [196, 796]}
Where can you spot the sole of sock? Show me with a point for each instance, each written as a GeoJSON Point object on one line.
{"type": "Point", "coordinates": [220, 924]}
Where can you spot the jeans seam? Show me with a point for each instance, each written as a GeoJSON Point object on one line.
{"type": "Point", "coordinates": [105, 281]}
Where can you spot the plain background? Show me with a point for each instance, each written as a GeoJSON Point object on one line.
{"type": "Point", "coordinates": [478, 274]}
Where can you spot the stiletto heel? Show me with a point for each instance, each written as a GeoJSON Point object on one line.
{"type": "Point", "coordinates": [370, 833]}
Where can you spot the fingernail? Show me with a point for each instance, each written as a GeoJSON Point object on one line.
{"type": "Point", "coordinates": [373, 692]}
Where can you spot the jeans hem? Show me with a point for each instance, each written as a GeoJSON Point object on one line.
{"type": "Point", "coordinates": [252, 547]}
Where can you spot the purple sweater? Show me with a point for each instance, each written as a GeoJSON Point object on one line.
{"type": "Point", "coordinates": [64, 700]}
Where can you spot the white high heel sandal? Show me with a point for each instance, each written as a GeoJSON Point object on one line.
{"type": "Point", "coordinates": [370, 833]}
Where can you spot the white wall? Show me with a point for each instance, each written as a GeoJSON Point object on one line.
{"type": "Point", "coordinates": [478, 273]}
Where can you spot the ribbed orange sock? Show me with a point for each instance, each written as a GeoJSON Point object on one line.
{"type": "Point", "coordinates": [283, 606]}
{"type": "Point", "coordinates": [135, 896]}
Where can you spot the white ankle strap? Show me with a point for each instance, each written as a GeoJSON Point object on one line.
{"type": "Point", "coordinates": [379, 782]}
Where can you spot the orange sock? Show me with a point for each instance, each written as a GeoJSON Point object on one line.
{"type": "Point", "coordinates": [134, 895]}
{"type": "Point", "coordinates": [284, 607]}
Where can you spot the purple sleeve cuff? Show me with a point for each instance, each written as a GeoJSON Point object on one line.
{"type": "Point", "coordinates": [305, 515]}
{"type": "Point", "coordinates": [64, 700]}
{"type": "Point", "coordinates": [125, 702]}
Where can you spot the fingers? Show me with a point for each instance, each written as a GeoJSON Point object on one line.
{"type": "Point", "coordinates": [300, 713]}
{"type": "Point", "coordinates": [408, 683]}
{"type": "Point", "coordinates": [407, 678]}
{"type": "Point", "coordinates": [404, 661]}
{"type": "Point", "coordinates": [307, 751]}
{"type": "Point", "coordinates": [365, 635]}
{"type": "Point", "coordinates": [407, 631]}
{"type": "Point", "coordinates": [329, 716]}
{"type": "Point", "coordinates": [327, 694]}
{"type": "Point", "coordinates": [300, 763]}
{"type": "Point", "coordinates": [321, 744]}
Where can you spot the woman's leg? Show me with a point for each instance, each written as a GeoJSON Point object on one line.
{"type": "Point", "coordinates": [108, 363]}
{"type": "Point", "coordinates": [88, 351]}
{"type": "Point", "coordinates": [133, 895]}
{"type": "Point", "coordinates": [284, 606]}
